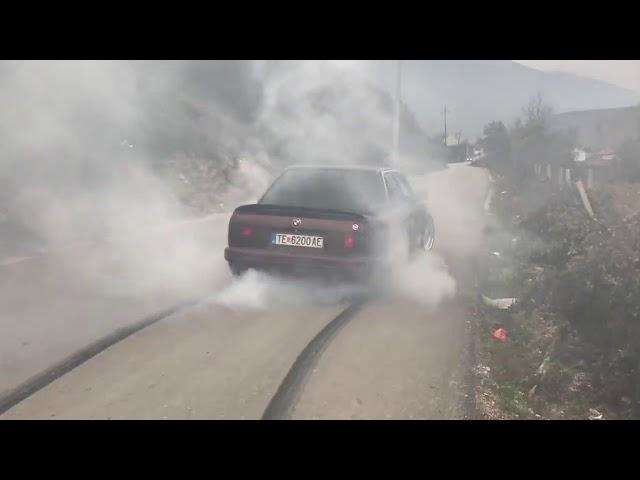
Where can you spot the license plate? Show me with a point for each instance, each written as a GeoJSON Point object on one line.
{"type": "Point", "coordinates": [293, 240]}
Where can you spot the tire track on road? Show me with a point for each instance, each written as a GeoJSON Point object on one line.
{"type": "Point", "coordinates": [284, 401]}
{"type": "Point", "coordinates": [23, 391]}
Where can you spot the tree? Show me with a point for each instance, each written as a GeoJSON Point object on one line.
{"type": "Point", "coordinates": [528, 142]}
{"type": "Point", "coordinates": [496, 145]}
{"type": "Point", "coordinates": [532, 142]}
{"type": "Point", "coordinates": [536, 114]}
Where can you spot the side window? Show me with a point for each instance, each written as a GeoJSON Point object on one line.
{"type": "Point", "coordinates": [395, 188]}
{"type": "Point", "coordinates": [406, 186]}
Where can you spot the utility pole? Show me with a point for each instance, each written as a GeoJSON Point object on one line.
{"type": "Point", "coordinates": [396, 118]}
{"type": "Point", "coordinates": [445, 125]}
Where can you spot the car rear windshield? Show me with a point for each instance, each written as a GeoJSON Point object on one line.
{"type": "Point", "coordinates": [359, 191]}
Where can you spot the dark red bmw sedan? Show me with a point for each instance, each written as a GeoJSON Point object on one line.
{"type": "Point", "coordinates": [318, 220]}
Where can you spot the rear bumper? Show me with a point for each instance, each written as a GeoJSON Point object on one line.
{"type": "Point", "coordinates": [303, 264]}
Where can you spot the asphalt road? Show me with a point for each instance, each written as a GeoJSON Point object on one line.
{"type": "Point", "coordinates": [258, 344]}
{"type": "Point", "coordinates": [52, 305]}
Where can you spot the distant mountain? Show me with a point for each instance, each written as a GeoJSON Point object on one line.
{"type": "Point", "coordinates": [600, 129]}
{"type": "Point", "coordinates": [478, 91]}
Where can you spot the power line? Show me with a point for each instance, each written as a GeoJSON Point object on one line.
{"type": "Point", "coordinates": [396, 119]}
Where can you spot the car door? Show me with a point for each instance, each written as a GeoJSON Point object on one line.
{"type": "Point", "coordinates": [420, 217]}
{"type": "Point", "coordinates": [401, 206]}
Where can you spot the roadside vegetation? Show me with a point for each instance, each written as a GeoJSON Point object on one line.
{"type": "Point", "coordinates": [572, 346]}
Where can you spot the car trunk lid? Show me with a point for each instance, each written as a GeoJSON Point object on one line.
{"type": "Point", "coordinates": [296, 230]}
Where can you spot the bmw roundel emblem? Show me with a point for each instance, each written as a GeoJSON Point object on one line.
{"type": "Point", "coordinates": [296, 222]}
{"type": "Point", "coordinates": [355, 227]}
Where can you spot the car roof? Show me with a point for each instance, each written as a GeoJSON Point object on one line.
{"type": "Point", "coordinates": [368, 168]}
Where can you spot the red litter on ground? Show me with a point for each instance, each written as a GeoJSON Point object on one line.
{"type": "Point", "coordinates": [500, 334]}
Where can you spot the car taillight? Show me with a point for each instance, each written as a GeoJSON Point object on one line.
{"type": "Point", "coordinates": [246, 231]}
{"type": "Point", "coordinates": [348, 240]}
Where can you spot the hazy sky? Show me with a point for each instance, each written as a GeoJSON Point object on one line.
{"type": "Point", "coordinates": [624, 73]}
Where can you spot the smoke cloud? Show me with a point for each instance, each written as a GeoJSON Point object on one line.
{"type": "Point", "coordinates": [98, 155]}
{"type": "Point", "coordinates": [117, 179]}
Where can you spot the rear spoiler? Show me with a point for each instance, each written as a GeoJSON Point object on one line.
{"type": "Point", "coordinates": [265, 209]}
